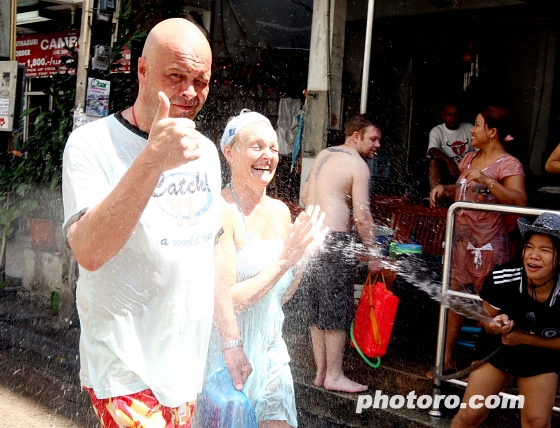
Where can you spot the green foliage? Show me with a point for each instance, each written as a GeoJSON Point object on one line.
{"type": "Point", "coordinates": [124, 86]}
{"type": "Point", "coordinates": [34, 179]}
{"type": "Point", "coordinates": [43, 149]}
{"type": "Point", "coordinates": [14, 205]}
{"type": "Point", "coordinates": [55, 302]}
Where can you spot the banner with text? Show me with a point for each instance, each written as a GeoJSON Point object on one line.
{"type": "Point", "coordinates": [40, 53]}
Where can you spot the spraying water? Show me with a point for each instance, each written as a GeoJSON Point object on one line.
{"type": "Point", "coordinates": [417, 272]}
{"type": "Point", "coordinates": [422, 275]}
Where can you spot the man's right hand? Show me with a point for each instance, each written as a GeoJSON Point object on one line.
{"type": "Point", "coordinates": [172, 141]}
{"type": "Point", "coordinates": [238, 365]}
{"type": "Point", "coordinates": [375, 265]}
{"type": "Point", "coordinates": [435, 194]}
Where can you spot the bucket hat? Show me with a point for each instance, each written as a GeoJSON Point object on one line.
{"type": "Point", "coordinates": [547, 223]}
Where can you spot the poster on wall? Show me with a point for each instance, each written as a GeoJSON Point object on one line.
{"type": "Point", "coordinates": [41, 53]}
{"type": "Point", "coordinates": [8, 81]}
{"type": "Point", "coordinates": [123, 65]}
{"type": "Point", "coordinates": [97, 97]}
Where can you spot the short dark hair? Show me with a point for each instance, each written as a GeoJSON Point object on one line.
{"type": "Point", "coordinates": [450, 104]}
{"type": "Point", "coordinates": [359, 123]}
{"type": "Point", "coordinates": [499, 118]}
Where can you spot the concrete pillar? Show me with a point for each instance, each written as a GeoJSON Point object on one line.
{"type": "Point", "coordinates": [542, 103]}
{"type": "Point", "coordinates": [83, 54]}
{"type": "Point", "coordinates": [7, 22]}
{"type": "Point", "coordinates": [338, 30]}
{"type": "Point", "coordinates": [322, 61]}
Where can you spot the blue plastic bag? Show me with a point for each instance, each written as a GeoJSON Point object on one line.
{"type": "Point", "coordinates": [220, 405]}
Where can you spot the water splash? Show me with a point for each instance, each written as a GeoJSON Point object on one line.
{"type": "Point", "coordinates": [421, 274]}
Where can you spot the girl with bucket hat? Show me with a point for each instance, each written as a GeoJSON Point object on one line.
{"type": "Point", "coordinates": [524, 302]}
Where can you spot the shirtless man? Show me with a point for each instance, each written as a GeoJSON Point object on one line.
{"type": "Point", "coordinates": [339, 183]}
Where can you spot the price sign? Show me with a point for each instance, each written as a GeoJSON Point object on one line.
{"type": "Point", "coordinates": [40, 53]}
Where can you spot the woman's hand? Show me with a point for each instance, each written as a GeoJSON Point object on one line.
{"type": "Point", "coordinates": [501, 324]}
{"type": "Point", "coordinates": [477, 176]}
{"type": "Point", "coordinates": [305, 236]}
{"type": "Point", "coordinates": [514, 337]}
{"type": "Point", "coordinates": [436, 193]}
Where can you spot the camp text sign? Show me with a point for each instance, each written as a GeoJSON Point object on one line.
{"type": "Point", "coordinates": [40, 53]}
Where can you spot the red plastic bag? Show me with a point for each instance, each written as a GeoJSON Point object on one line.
{"type": "Point", "coordinates": [371, 329]}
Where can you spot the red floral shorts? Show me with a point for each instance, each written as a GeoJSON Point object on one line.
{"type": "Point", "coordinates": [140, 410]}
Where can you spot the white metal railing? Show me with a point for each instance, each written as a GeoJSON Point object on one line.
{"type": "Point", "coordinates": [445, 291]}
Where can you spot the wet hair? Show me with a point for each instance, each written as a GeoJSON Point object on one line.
{"type": "Point", "coordinates": [499, 118]}
{"type": "Point", "coordinates": [359, 124]}
{"type": "Point", "coordinates": [236, 126]}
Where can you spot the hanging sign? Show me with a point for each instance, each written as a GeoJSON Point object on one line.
{"type": "Point", "coordinates": [124, 62]}
{"type": "Point", "coordinates": [8, 81]}
{"type": "Point", "coordinates": [40, 53]}
{"type": "Point", "coordinates": [97, 97]}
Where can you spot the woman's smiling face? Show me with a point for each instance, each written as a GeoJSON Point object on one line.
{"type": "Point", "coordinates": [254, 154]}
{"type": "Point", "coordinates": [540, 258]}
{"type": "Point", "coordinates": [479, 132]}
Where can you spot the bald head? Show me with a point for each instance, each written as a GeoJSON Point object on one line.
{"type": "Point", "coordinates": [176, 31]}
{"type": "Point", "coordinates": [177, 60]}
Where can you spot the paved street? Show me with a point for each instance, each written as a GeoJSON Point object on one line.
{"type": "Point", "coordinates": [19, 411]}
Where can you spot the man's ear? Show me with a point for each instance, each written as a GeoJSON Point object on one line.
{"type": "Point", "coordinates": [142, 68]}
{"type": "Point", "coordinates": [356, 136]}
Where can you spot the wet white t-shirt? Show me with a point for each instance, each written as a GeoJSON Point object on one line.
{"type": "Point", "coordinates": [146, 314]}
{"type": "Point", "coordinates": [454, 143]}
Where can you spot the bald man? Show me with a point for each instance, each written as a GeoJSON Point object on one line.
{"type": "Point", "coordinates": [142, 213]}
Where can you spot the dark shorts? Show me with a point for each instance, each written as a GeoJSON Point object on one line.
{"type": "Point", "coordinates": [519, 360]}
{"type": "Point", "coordinates": [328, 284]}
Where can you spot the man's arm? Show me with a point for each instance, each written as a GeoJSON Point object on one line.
{"type": "Point", "coordinates": [438, 154]}
{"type": "Point", "coordinates": [553, 163]}
{"type": "Point", "coordinates": [105, 228]}
{"type": "Point", "coordinates": [362, 213]}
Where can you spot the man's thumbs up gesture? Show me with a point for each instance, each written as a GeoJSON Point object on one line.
{"type": "Point", "coordinates": [172, 141]}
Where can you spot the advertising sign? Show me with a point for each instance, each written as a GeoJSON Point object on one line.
{"type": "Point", "coordinates": [40, 53]}
{"type": "Point", "coordinates": [97, 97]}
{"type": "Point", "coordinates": [8, 81]}
{"type": "Point", "coordinates": [124, 63]}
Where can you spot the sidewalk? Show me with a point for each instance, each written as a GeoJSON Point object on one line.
{"type": "Point", "coordinates": [18, 410]}
{"type": "Point", "coordinates": [38, 357]}
{"type": "Point", "coordinates": [15, 262]}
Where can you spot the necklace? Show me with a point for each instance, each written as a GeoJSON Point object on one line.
{"type": "Point", "coordinates": [534, 288]}
{"type": "Point", "coordinates": [134, 118]}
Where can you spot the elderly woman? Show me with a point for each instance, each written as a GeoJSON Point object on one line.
{"type": "Point", "coordinates": [480, 239]}
{"type": "Point", "coordinates": [525, 303]}
{"type": "Point", "coordinates": [262, 260]}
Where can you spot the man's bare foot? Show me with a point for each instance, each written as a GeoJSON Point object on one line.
{"type": "Point", "coordinates": [344, 384]}
{"type": "Point", "coordinates": [319, 379]}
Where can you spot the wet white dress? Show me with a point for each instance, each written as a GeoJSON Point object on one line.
{"type": "Point", "coordinates": [270, 387]}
